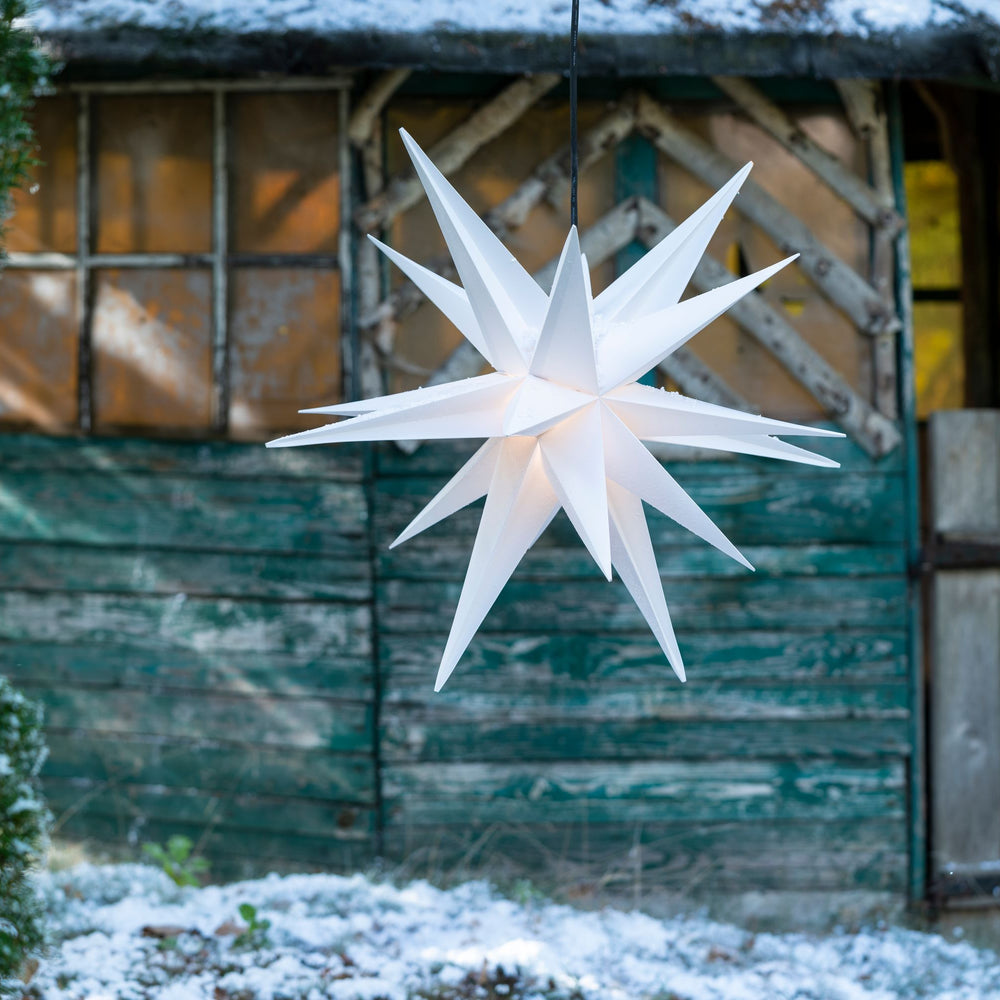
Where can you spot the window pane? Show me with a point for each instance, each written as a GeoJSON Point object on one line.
{"type": "Point", "coordinates": [154, 174]}
{"type": "Point", "coordinates": [939, 363]}
{"type": "Point", "coordinates": [285, 347]}
{"type": "Point", "coordinates": [152, 346]}
{"type": "Point", "coordinates": [935, 243]}
{"type": "Point", "coordinates": [38, 348]}
{"type": "Point", "coordinates": [45, 213]}
{"type": "Point", "coordinates": [285, 180]}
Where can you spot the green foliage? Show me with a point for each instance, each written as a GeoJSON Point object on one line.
{"type": "Point", "coordinates": [255, 935]}
{"type": "Point", "coordinates": [24, 70]}
{"type": "Point", "coordinates": [24, 824]}
{"type": "Point", "coordinates": [175, 859]}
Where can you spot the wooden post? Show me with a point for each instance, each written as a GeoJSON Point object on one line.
{"type": "Point", "coordinates": [965, 643]}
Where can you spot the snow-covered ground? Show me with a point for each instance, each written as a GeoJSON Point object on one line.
{"type": "Point", "coordinates": [125, 932]}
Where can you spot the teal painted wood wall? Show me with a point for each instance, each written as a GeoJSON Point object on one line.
{"type": "Point", "coordinates": [209, 629]}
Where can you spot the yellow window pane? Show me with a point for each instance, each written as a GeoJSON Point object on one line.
{"type": "Point", "coordinates": [426, 338]}
{"type": "Point", "coordinates": [939, 362]}
{"type": "Point", "coordinates": [152, 349]}
{"type": "Point", "coordinates": [38, 348]}
{"type": "Point", "coordinates": [285, 347]}
{"type": "Point", "coordinates": [154, 174]}
{"type": "Point", "coordinates": [935, 240]}
{"type": "Point", "coordinates": [285, 180]}
{"type": "Point", "coordinates": [44, 218]}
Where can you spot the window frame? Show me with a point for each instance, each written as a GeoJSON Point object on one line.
{"type": "Point", "coordinates": [85, 261]}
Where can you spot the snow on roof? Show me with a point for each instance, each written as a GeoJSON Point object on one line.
{"type": "Point", "coordinates": [931, 37]}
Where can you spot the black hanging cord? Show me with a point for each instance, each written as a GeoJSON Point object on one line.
{"type": "Point", "coordinates": [573, 154]}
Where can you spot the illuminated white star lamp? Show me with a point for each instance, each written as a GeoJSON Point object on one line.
{"type": "Point", "coordinates": [562, 415]}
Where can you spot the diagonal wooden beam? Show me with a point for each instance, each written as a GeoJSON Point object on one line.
{"type": "Point", "coordinates": [366, 113]}
{"type": "Point", "coordinates": [483, 125]}
{"type": "Point", "coordinates": [847, 289]}
{"type": "Point", "coordinates": [870, 204]}
{"type": "Point", "coordinates": [874, 432]}
{"type": "Point", "coordinates": [550, 175]}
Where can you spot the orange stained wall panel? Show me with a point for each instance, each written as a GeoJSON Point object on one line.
{"type": "Point", "coordinates": [44, 219]}
{"type": "Point", "coordinates": [154, 174]}
{"type": "Point", "coordinates": [285, 180]}
{"type": "Point", "coordinates": [152, 349]}
{"type": "Point", "coordinates": [285, 348]}
{"type": "Point", "coordinates": [38, 349]}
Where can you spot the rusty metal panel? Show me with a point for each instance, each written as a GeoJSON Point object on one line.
{"type": "Point", "coordinates": [38, 337]}
{"type": "Point", "coordinates": [494, 172]}
{"type": "Point", "coordinates": [743, 363]}
{"type": "Point", "coordinates": [285, 173]}
{"type": "Point", "coordinates": [154, 174]}
{"type": "Point", "coordinates": [285, 348]}
{"type": "Point", "coordinates": [44, 218]}
{"type": "Point", "coordinates": [152, 349]}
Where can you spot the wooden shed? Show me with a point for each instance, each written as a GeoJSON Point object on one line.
{"type": "Point", "coordinates": [224, 645]}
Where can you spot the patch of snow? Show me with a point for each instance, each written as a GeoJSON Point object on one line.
{"type": "Point", "coordinates": [351, 938]}
{"type": "Point", "coordinates": [530, 17]}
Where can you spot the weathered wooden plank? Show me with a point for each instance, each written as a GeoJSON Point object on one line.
{"type": "Point", "coordinates": [847, 289]}
{"type": "Point", "coordinates": [873, 431]}
{"type": "Point", "coordinates": [409, 735]}
{"type": "Point", "coordinates": [695, 378]}
{"type": "Point", "coordinates": [234, 852]}
{"type": "Point", "coordinates": [95, 508]}
{"type": "Point", "coordinates": [308, 630]}
{"type": "Point", "coordinates": [82, 664]}
{"type": "Point", "coordinates": [965, 709]}
{"type": "Point", "coordinates": [343, 726]}
{"type": "Point", "coordinates": [648, 792]}
{"type": "Point", "coordinates": [444, 457]}
{"type": "Point", "coordinates": [873, 206]}
{"type": "Point", "coordinates": [964, 450]}
{"type": "Point", "coordinates": [211, 766]}
{"type": "Point", "coordinates": [482, 126]}
{"type": "Point", "coordinates": [278, 814]}
{"type": "Point", "coordinates": [482, 697]}
{"type": "Point", "coordinates": [751, 508]}
{"type": "Point", "coordinates": [599, 606]}
{"type": "Point", "coordinates": [58, 567]}
{"type": "Point", "coordinates": [210, 459]}
{"type": "Point", "coordinates": [559, 558]}
{"type": "Point", "coordinates": [538, 662]}
{"type": "Point", "coordinates": [693, 859]}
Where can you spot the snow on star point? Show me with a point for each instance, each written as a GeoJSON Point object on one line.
{"type": "Point", "coordinates": [562, 414]}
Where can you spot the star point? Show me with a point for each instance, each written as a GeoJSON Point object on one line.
{"type": "Point", "coordinates": [562, 415]}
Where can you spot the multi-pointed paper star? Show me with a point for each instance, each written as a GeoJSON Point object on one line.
{"type": "Point", "coordinates": [562, 413]}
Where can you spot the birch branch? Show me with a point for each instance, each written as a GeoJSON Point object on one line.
{"type": "Point", "coordinates": [868, 202]}
{"type": "Point", "coordinates": [845, 287]}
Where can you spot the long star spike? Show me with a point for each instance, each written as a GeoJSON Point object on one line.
{"type": "Point", "coordinates": [499, 289]}
{"type": "Point", "coordinates": [652, 413]}
{"type": "Point", "coordinates": [632, 466]}
{"type": "Point", "coordinates": [474, 409]}
{"type": "Point", "coordinates": [573, 455]}
{"type": "Point", "coordinates": [658, 279]}
{"type": "Point", "coordinates": [470, 483]}
{"type": "Point", "coordinates": [398, 400]}
{"type": "Point", "coordinates": [565, 349]}
{"type": "Point", "coordinates": [632, 554]}
{"type": "Point", "coordinates": [446, 295]}
{"type": "Point", "coordinates": [519, 506]}
{"type": "Point", "coordinates": [626, 352]}
{"type": "Point", "coordinates": [760, 445]}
